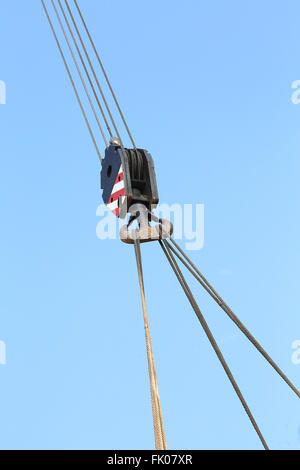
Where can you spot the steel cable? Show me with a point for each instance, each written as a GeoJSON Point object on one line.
{"type": "Point", "coordinates": [93, 71]}
{"type": "Point", "coordinates": [158, 425]}
{"type": "Point", "coordinates": [210, 337]}
{"type": "Point", "coordinates": [208, 287]}
{"type": "Point", "coordinates": [85, 68]}
{"type": "Point", "coordinates": [79, 73]}
{"type": "Point", "coordinates": [72, 82]}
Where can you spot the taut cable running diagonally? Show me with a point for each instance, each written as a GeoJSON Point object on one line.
{"type": "Point", "coordinates": [72, 82]}
{"type": "Point", "coordinates": [158, 425]}
{"type": "Point", "coordinates": [93, 71]}
{"type": "Point", "coordinates": [79, 73]}
{"type": "Point", "coordinates": [208, 287]}
{"type": "Point", "coordinates": [105, 74]}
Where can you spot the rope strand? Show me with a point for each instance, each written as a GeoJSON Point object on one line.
{"type": "Point", "coordinates": [210, 337]}
{"type": "Point", "coordinates": [93, 71]}
{"type": "Point", "coordinates": [85, 68]}
{"type": "Point", "coordinates": [79, 73]}
{"type": "Point", "coordinates": [72, 82]}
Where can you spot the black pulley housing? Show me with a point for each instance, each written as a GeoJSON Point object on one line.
{"type": "Point", "coordinates": [128, 177]}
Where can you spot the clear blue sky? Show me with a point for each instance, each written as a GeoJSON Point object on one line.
{"type": "Point", "coordinates": [206, 87]}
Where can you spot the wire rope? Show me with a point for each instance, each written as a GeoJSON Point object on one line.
{"type": "Point", "coordinates": [211, 338]}
{"type": "Point", "coordinates": [105, 74]}
{"type": "Point", "coordinates": [79, 73]}
{"type": "Point", "coordinates": [72, 81]}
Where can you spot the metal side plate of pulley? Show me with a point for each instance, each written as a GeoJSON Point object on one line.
{"type": "Point", "coordinates": [128, 177]}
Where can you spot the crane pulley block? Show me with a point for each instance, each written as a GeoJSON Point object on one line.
{"type": "Point", "coordinates": [127, 178]}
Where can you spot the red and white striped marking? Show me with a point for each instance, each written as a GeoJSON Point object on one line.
{"type": "Point", "coordinates": [117, 191]}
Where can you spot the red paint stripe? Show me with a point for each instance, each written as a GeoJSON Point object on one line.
{"type": "Point", "coordinates": [115, 196]}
